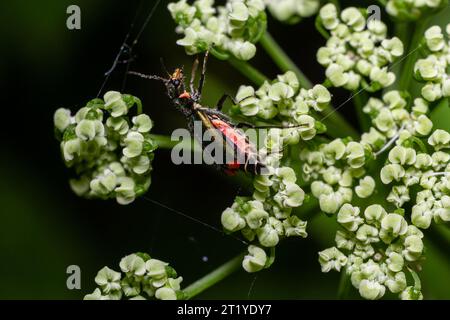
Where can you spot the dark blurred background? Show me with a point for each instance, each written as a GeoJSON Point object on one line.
{"type": "Point", "coordinates": [44, 227]}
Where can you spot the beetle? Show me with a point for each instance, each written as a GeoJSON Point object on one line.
{"type": "Point", "coordinates": [223, 130]}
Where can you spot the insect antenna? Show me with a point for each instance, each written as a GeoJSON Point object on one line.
{"type": "Point", "coordinates": [147, 76]}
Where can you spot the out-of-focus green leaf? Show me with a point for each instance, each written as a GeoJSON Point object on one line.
{"type": "Point", "coordinates": [441, 115]}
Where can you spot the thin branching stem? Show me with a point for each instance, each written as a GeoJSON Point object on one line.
{"type": "Point", "coordinates": [335, 122]}
{"type": "Point", "coordinates": [213, 277]}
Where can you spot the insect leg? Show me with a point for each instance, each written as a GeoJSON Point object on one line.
{"type": "Point", "coordinates": [222, 100]}
{"type": "Point", "coordinates": [193, 73]}
{"type": "Point", "coordinates": [202, 76]}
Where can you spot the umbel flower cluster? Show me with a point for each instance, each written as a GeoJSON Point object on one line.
{"type": "Point", "coordinates": [357, 52]}
{"type": "Point", "coordinates": [292, 11]}
{"type": "Point", "coordinates": [283, 100]}
{"type": "Point", "coordinates": [142, 278]}
{"type": "Point", "coordinates": [433, 69]}
{"type": "Point", "coordinates": [224, 30]}
{"type": "Point", "coordinates": [110, 153]}
{"type": "Point", "coordinates": [267, 216]}
{"type": "Point", "coordinates": [376, 250]}
{"type": "Point", "coordinates": [413, 9]}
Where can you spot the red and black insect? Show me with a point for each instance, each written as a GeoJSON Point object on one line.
{"type": "Point", "coordinates": [222, 128]}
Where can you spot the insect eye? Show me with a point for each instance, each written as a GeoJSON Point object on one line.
{"type": "Point", "coordinates": [176, 82]}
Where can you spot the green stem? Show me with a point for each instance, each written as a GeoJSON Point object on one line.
{"type": "Point", "coordinates": [343, 285]}
{"type": "Point", "coordinates": [333, 120]}
{"type": "Point", "coordinates": [282, 60]}
{"type": "Point", "coordinates": [248, 71]}
{"type": "Point", "coordinates": [359, 100]}
{"type": "Point", "coordinates": [407, 70]}
{"type": "Point", "coordinates": [403, 32]}
{"type": "Point", "coordinates": [213, 277]}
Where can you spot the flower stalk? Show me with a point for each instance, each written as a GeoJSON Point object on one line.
{"type": "Point", "coordinates": [213, 277]}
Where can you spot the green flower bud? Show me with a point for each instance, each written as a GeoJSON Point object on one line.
{"type": "Point", "coordinates": [322, 96]}
{"type": "Point", "coordinates": [324, 56]}
{"type": "Point", "coordinates": [413, 248]}
{"type": "Point", "coordinates": [104, 184]}
{"type": "Point", "coordinates": [165, 293]}
{"type": "Point", "coordinates": [238, 11]}
{"type": "Point", "coordinates": [394, 46]}
{"type": "Point", "coordinates": [143, 123]}
{"type": "Point", "coordinates": [391, 172]}
{"type": "Point", "coordinates": [371, 290]}
{"type": "Point", "coordinates": [335, 149]}
{"type": "Point", "coordinates": [290, 79]}
{"type": "Point", "coordinates": [130, 287]}
{"type": "Point", "coordinates": [355, 154]}
{"type": "Point", "coordinates": [255, 217]}
{"type": "Point", "coordinates": [335, 73]}
{"type": "Point", "coordinates": [421, 215]}
{"type": "Point", "coordinates": [399, 195]}
{"type": "Point", "coordinates": [134, 144]}
{"type": "Point", "coordinates": [332, 175]}
{"type": "Point", "coordinates": [294, 227]}
{"type": "Point", "coordinates": [402, 155]}
{"type": "Point", "coordinates": [62, 119]}
{"type": "Point", "coordinates": [328, 14]}
{"type": "Point", "coordinates": [427, 69]}
{"type": "Point", "coordinates": [395, 262]}
{"type": "Point", "coordinates": [293, 196]}
{"type": "Point", "coordinates": [382, 76]}
{"type": "Point", "coordinates": [133, 265]}
{"type": "Point", "coordinates": [247, 101]}
{"type": "Point", "coordinates": [434, 38]}
{"type": "Point", "coordinates": [330, 203]}
{"type": "Point", "coordinates": [374, 214]}
{"type": "Point", "coordinates": [367, 234]}
{"type": "Point", "coordinates": [439, 139]}
{"type": "Point", "coordinates": [392, 226]}
{"type": "Point", "coordinates": [348, 217]}
{"type": "Point", "coordinates": [332, 258]}
{"type": "Point", "coordinates": [80, 186]}
{"type": "Point", "coordinates": [267, 236]}
{"type": "Point", "coordinates": [232, 221]}
{"type": "Point", "coordinates": [384, 120]}
{"type": "Point", "coordinates": [181, 12]}
{"type": "Point", "coordinates": [119, 124]}
{"type": "Point", "coordinates": [366, 187]}
{"type": "Point", "coordinates": [71, 149]}
{"type": "Point", "coordinates": [89, 129]}
{"type": "Point", "coordinates": [243, 50]}
{"type": "Point", "coordinates": [156, 268]}
{"type": "Point", "coordinates": [353, 18]}
{"type": "Point", "coordinates": [423, 125]}
{"type": "Point", "coordinates": [431, 92]}
{"type": "Point", "coordinates": [96, 295]}
{"type": "Point", "coordinates": [255, 260]}
{"type": "Point", "coordinates": [397, 283]}
{"type": "Point", "coordinates": [125, 191]}
{"type": "Point", "coordinates": [280, 91]}
{"type": "Point", "coordinates": [115, 103]}
{"type": "Point", "coordinates": [344, 240]}
{"type": "Point", "coordinates": [108, 280]}
{"type": "Point", "coordinates": [411, 293]}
